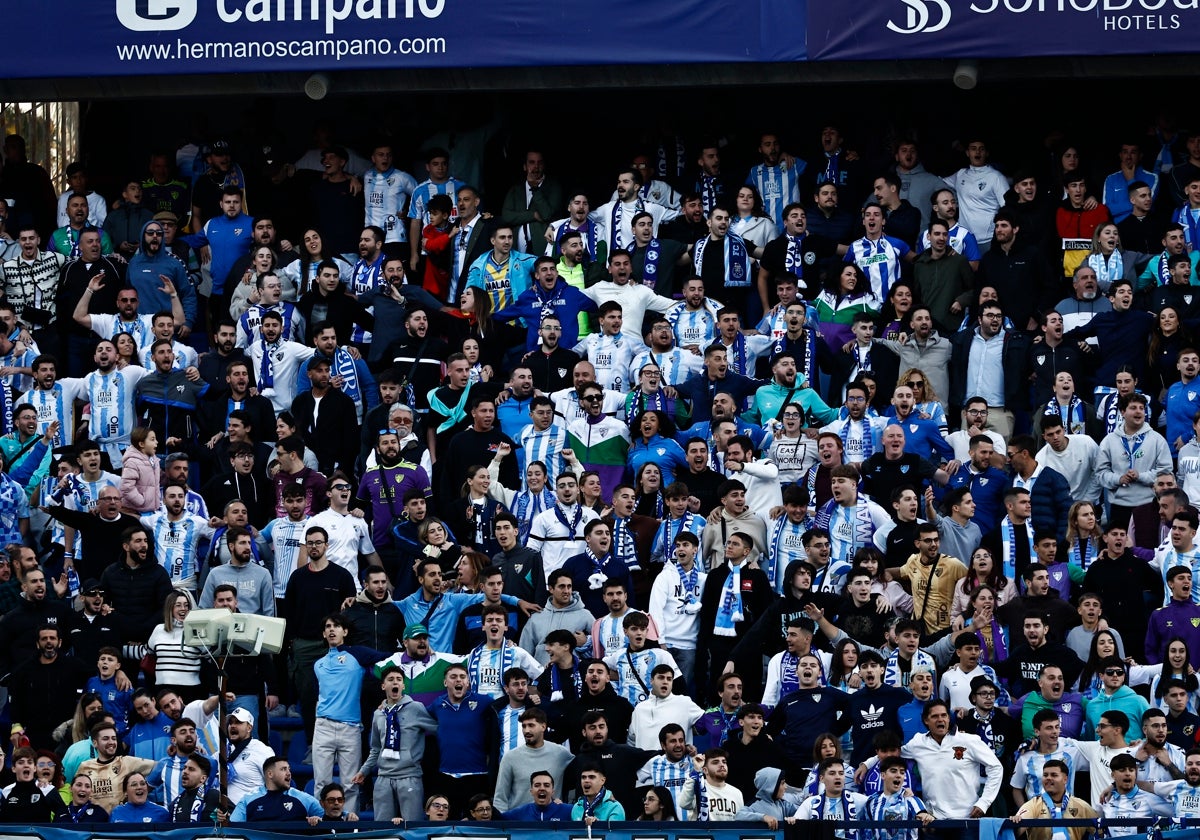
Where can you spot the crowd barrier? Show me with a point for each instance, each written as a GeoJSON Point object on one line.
{"type": "Point", "coordinates": [982, 829]}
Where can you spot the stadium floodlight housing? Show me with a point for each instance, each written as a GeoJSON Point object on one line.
{"type": "Point", "coordinates": [207, 629]}
{"type": "Point", "coordinates": [966, 74]}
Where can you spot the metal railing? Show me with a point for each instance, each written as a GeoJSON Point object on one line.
{"type": "Point", "coordinates": [51, 132]}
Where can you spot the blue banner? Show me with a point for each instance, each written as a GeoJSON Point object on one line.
{"type": "Point", "coordinates": [143, 37]}
{"type": "Point", "coordinates": [424, 831]}
{"type": "Point", "coordinates": [891, 29]}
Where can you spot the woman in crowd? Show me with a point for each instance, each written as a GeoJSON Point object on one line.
{"type": "Point", "coordinates": [649, 485]}
{"type": "Point", "coordinates": [847, 292]}
{"type": "Point", "coordinates": [983, 571]}
{"type": "Point", "coordinates": [176, 665]}
{"type": "Point", "coordinates": [654, 441]}
{"type": "Point", "coordinates": [1083, 535]}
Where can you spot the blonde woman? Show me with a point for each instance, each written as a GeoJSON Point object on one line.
{"type": "Point", "coordinates": [928, 405]}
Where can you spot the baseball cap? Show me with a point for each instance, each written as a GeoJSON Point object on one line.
{"type": "Point", "coordinates": [90, 585]}
{"type": "Point", "coordinates": [242, 715]}
{"type": "Point", "coordinates": [219, 147]}
{"type": "Point", "coordinates": [414, 630]}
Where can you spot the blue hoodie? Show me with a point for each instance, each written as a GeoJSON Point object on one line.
{"type": "Point", "coordinates": [564, 300]}
{"type": "Point", "coordinates": [143, 274]}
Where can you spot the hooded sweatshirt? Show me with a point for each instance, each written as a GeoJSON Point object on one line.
{"type": "Point", "coordinates": [405, 760]}
{"type": "Point", "coordinates": [766, 782]}
{"type": "Point", "coordinates": [574, 617]}
{"type": "Point", "coordinates": [1148, 453]}
{"type": "Point", "coordinates": [143, 274]}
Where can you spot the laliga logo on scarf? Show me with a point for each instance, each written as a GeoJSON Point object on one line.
{"type": "Point", "coordinates": [917, 19]}
{"type": "Point", "coordinates": [155, 15]}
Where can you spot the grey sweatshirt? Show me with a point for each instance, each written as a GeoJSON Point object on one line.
{"type": "Point", "coordinates": [574, 617]}
{"type": "Point", "coordinates": [405, 762]}
{"type": "Point", "coordinates": [512, 783]}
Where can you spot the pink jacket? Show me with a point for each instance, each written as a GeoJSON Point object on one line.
{"type": "Point", "coordinates": [140, 489]}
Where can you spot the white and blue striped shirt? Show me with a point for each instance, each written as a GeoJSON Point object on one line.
{"type": "Point", "coordinates": [249, 326]}
{"type": "Point", "coordinates": [545, 446]}
{"type": "Point", "coordinates": [287, 541]}
{"type": "Point", "coordinates": [697, 327]}
{"type": "Point", "coordinates": [177, 543]}
{"type": "Point", "coordinates": [880, 260]}
{"type": "Point", "coordinates": [1027, 770]}
{"type": "Point", "coordinates": [677, 365]}
{"type": "Point", "coordinates": [634, 669]}
{"type": "Point", "coordinates": [672, 775]}
{"type": "Point", "coordinates": [510, 728]}
{"type": "Point", "coordinates": [385, 194]}
{"type": "Point", "coordinates": [110, 326]}
{"type": "Point", "coordinates": [778, 186]}
{"type": "Point", "coordinates": [111, 397]}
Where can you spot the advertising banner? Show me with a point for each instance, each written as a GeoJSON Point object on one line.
{"type": "Point", "coordinates": [141, 37]}
{"type": "Point", "coordinates": [956, 29]}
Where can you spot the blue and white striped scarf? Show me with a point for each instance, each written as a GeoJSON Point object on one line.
{"type": "Point", "coordinates": [729, 611]}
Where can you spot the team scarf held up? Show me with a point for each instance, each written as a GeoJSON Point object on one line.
{"type": "Point", "coordinates": [615, 234]}
{"type": "Point", "coordinates": [729, 611]}
{"type": "Point", "coordinates": [1008, 534]}
{"type": "Point", "coordinates": [1107, 410]}
{"type": "Point", "coordinates": [868, 437]}
{"type": "Point", "coordinates": [1075, 416]}
{"type": "Point", "coordinates": [528, 505]}
{"type": "Point", "coordinates": [624, 548]}
{"type": "Point", "coordinates": [587, 230]}
{"type": "Point", "coordinates": [737, 260]}
{"type": "Point", "coordinates": [650, 263]}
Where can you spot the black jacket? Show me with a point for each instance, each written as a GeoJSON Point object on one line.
{"type": "Point", "coordinates": [1023, 280]}
{"type": "Point", "coordinates": [339, 308]}
{"type": "Point", "coordinates": [378, 626]}
{"type": "Point", "coordinates": [137, 594]}
{"type": "Point", "coordinates": [1016, 346]}
{"type": "Point", "coordinates": [333, 436]}
{"type": "Point", "coordinates": [618, 712]}
{"type": "Point", "coordinates": [19, 628]}
{"type": "Point", "coordinates": [620, 762]}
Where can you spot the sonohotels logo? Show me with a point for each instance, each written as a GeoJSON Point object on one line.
{"type": "Point", "coordinates": [156, 15]}
{"type": "Point", "coordinates": [920, 17]}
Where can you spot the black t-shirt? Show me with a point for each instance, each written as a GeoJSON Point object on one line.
{"type": "Point", "coordinates": [880, 477]}
{"type": "Point", "coordinates": [900, 545]}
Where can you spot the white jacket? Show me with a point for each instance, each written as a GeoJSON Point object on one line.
{"type": "Point", "coordinates": [950, 773]}
{"type": "Point", "coordinates": [677, 627]}
{"type": "Point", "coordinates": [653, 713]}
{"type": "Point", "coordinates": [634, 298]}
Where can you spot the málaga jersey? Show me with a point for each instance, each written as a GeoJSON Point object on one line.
{"type": "Point", "coordinates": [110, 326]}
{"type": "Point", "coordinates": [386, 194]}
{"type": "Point", "coordinates": [176, 544]}
{"type": "Point", "coordinates": [249, 326]}
{"type": "Point", "coordinates": [634, 669]}
{"type": "Point", "coordinates": [111, 397]}
{"type": "Point", "coordinates": [611, 355]}
{"type": "Point", "coordinates": [697, 327]}
{"type": "Point", "coordinates": [677, 365]}
{"type": "Point", "coordinates": [1184, 798]}
{"type": "Point", "coordinates": [58, 403]}
{"type": "Point", "coordinates": [185, 357]}
{"type": "Point", "coordinates": [287, 541]}
{"type": "Point", "coordinates": [418, 208]}
{"type": "Point", "coordinates": [1027, 770]}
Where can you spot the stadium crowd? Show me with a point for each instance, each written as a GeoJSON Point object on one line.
{"type": "Point", "coordinates": [830, 490]}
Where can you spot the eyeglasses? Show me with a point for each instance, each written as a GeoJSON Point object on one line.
{"type": "Point", "coordinates": [154, 233]}
{"type": "Point", "coordinates": [985, 694]}
{"type": "Point", "coordinates": [976, 412]}
{"type": "Point", "coordinates": [91, 593]}
{"type": "Point", "coordinates": [335, 800]}
{"type": "Point", "coordinates": [387, 432]}
{"type": "Point", "coordinates": [341, 487]}
{"type": "Point", "coordinates": [593, 397]}
{"type": "Point", "coordinates": [1114, 672]}
{"type": "Point", "coordinates": [795, 415]}
{"type": "Point", "coordinates": [915, 384]}
{"type": "Point", "coordinates": [441, 806]}
{"type": "Point", "coordinates": [930, 540]}
{"type": "Point", "coordinates": [244, 455]}
{"type": "Point", "coordinates": [991, 315]}
{"type": "Point", "coordinates": [1103, 725]}
{"type": "Point", "coordinates": [849, 400]}
{"type": "Point", "coordinates": [481, 809]}
{"type": "Point", "coordinates": [314, 543]}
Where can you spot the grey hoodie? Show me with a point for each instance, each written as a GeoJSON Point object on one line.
{"type": "Point", "coordinates": [766, 780]}
{"type": "Point", "coordinates": [415, 724]}
{"type": "Point", "coordinates": [1151, 457]}
{"type": "Point", "coordinates": [574, 617]}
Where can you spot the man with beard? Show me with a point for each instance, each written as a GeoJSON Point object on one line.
{"type": "Point", "coordinates": [803, 713]}
{"type": "Point", "coordinates": [549, 294]}
{"type": "Point", "coordinates": [235, 395]}
{"type": "Point", "coordinates": [328, 301]}
{"type": "Point", "coordinates": [137, 586]}
{"type": "Point", "coordinates": [150, 267]}
{"type": "Point", "coordinates": [109, 770]}
{"type": "Point", "coordinates": [1182, 793]}
{"type": "Point", "coordinates": [45, 689]}
{"type": "Point", "coordinates": [392, 301]}
{"type": "Point", "coordinates": [385, 486]}
{"type": "Point", "coordinates": [212, 365]}
{"type": "Point", "coordinates": [615, 219]}
{"type": "Point", "coordinates": [77, 278]}
{"type": "Point", "coordinates": [798, 251]}
{"type": "Point", "coordinates": [108, 390]}
{"type": "Point", "coordinates": [726, 271]}
{"type": "Point", "coordinates": [551, 364]}
{"type": "Point", "coordinates": [1077, 310]}
{"type": "Point", "coordinates": [177, 535]}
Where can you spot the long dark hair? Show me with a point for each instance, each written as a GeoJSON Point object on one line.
{"type": "Point", "coordinates": [1092, 667]}
{"type": "Point", "coordinates": [833, 281]}
{"type": "Point", "coordinates": [1165, 675]}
